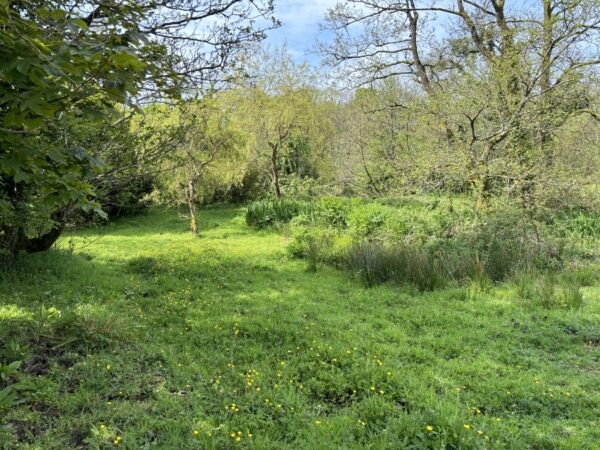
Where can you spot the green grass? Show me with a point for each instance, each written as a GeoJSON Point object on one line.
{"type": "Point", "coordinates": [149, 334]}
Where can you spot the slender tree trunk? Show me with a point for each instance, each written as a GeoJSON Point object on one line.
{"type": "Point", "coordinates": [193, 218]}
{"type": "Point", "coordinates": [275, 170]}
{"type": "Point", "coordinates": [482, 186]}
{"type": "Point", "coordinates": [545, 136]}
{"type": "Point", "coordinates": [191, 202]}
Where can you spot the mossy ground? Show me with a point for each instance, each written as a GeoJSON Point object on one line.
{"type": "Point", "coordinates": [152, 338]}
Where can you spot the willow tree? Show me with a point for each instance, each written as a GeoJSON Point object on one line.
{"type": "Point", "coordinates": [277, 110]}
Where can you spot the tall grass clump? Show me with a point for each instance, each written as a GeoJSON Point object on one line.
{"type": "Point", "coordinates": [376, 263]}
{"type": "Point", "coordinates": [429, 247]}
{"type": "Point", "coordinates": [267, 213]}
{"type": "Point", "coordinates": [549, 291]}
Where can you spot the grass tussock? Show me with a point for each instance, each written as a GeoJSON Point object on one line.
{"type": "Point", "coordinates": [376, 263]}
{"type": "Point", "coordinates": [549, 291]}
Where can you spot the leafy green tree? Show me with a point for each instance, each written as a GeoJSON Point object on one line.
{"type": "Point", "coordinates": [286, 117]}
{"type": "Point", "coordinates": [210, 158]}
{"type": "Point", "coordinates": [56, 55]}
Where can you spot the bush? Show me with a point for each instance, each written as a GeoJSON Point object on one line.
{"type": "Point", "coordinates": [429, 247]}
{"type": "Point", "coordinates": [367, 219]}
{"type": "Point", "coordinates": [267, 213]}
{"type": "Point", "coordinates": [334, 211]}
{"type": "Point", "coordinates": [317, 244]}
{"type": "Point", "coordinates": [511, 242]}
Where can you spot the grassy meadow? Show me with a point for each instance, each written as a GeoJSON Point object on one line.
{"type": "Point", "coordinates": [139, 335]}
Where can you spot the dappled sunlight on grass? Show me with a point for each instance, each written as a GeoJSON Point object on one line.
{"type": "Point", "coordinates": [173, 341]}
{"type": "Point", "coordinates": [8, 311]}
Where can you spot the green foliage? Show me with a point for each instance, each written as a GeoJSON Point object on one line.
{"type": "Point", "coordinates": [70, 72]}
{"type": "Point", "coordinates": [334, 211]}
{"type": "Point", "coordinates": [9, 385]}
{"type": "Point", "coordinates": [429, 244]}
{"type": "Point", "coordinates": [578, 224]}
{"type": "Point", "coordinates": [302, 188]}
{"type": "Point", "coordinates": [268, 213]}
{"type": "Point", "coordinates": [367, 219]}
{"type": "Point", "coordinates": [52, 64]}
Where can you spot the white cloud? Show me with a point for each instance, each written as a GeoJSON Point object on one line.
{"type": "Point", "coordinates": [300, 25]}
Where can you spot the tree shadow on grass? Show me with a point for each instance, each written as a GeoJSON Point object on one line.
{"type": "Point", "coordinates": [159, 221]}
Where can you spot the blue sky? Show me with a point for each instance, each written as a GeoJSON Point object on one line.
{"type": "Point", "coordinates": [300, 27]}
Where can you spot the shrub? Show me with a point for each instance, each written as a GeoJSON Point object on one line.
{"type": "Point", "coordinates": [267, 213]}
{"type": "Point", "coordinates": [428, 247]}
{"type": "Point", "coordinates": [334, 211]}
{"type": "Point", "coordinates": [366, 219]}
{"type": "Point", "coordinates": [317, 244]}
{"type": "Point", "coordinates": [511, 242]}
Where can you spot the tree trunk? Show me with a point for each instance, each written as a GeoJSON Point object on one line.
{"type": "Point", "coordinates": [275, 170]}
{"type": "Point", "coordinates": [483, 187]}
{"type": "Point", "coordinates": [545, 136]}
{"type": "Point", "coordinates": [191, 202]}
{"type": "Point", "coordinates": [15, 240]}
{"type": "Point", "coordinates": [43, 242]}
{"type": "Point", "coordinates": [193, 218]}
{"type": "Point", "coordinates": [8, 247]}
